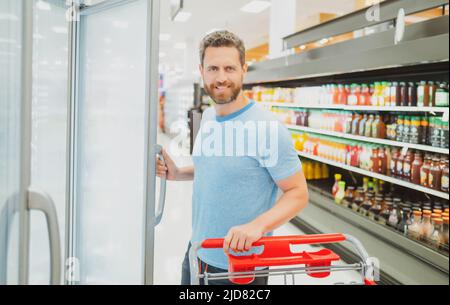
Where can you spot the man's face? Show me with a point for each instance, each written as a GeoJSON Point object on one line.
{"type": "Point", "coordinates": [222, 74]}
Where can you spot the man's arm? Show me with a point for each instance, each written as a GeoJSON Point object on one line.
{"type": "Point", "coordinates": [171, 171]}
{"type": "Point", "coordinates": [295, 198]}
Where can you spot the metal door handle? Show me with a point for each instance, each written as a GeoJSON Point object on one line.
{"type": "Point", "coordinates": [162, 189]}
{"type": "Point", "coordinates": [38, 200]}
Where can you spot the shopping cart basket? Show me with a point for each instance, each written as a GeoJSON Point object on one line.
{"type": "Point", "coordinates": [277, 253]}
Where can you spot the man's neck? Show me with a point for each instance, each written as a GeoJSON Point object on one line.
{"type": "Point", "coordinates": [226, 109]}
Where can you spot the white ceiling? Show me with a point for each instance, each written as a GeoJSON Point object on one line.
{"type": "Point", "coordinates": [214, 14]}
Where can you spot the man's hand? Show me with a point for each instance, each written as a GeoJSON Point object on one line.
{"type": "Point", "coordinates": [167, 168]}
{"type": "Point", "coordinates": [241, 238]}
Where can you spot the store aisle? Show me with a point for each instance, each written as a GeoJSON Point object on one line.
{"type": "Point", "coordinates": [174, 231]}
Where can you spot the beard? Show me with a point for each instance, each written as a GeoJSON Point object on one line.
{"type": "Point", "coordinates": [222, 98]}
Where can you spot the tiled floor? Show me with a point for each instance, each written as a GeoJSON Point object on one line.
{"type": "Point", "coordinates": [173, 233]}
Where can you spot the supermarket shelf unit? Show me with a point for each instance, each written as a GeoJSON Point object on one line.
{"type": "Point", "coordinates": [376, 175]}
{"type": "Point", "coordinates": [342, 135]}
{"type": "Point", "coordinates": [423, 54]}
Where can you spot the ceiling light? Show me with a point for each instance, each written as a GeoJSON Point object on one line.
{"type": "Point", "coordinates": [255, 7]}
{"type": "Point", "coordinates": [182, 17]}
{"type": "Point", "coordinates": [44, 6]}
{"type": "Point", "coordinates": [164, 37]}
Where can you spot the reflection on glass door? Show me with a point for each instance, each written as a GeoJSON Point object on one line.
{"type": "Point", "coordinates": [49, 121]}
{"type": "Point", "coordinates": [110, 145]}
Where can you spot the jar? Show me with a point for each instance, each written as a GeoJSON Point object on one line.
{"type": "Point", "coordinates": [359, 199]}
{"type": "Point", "coordinates": [349, 197]}
{"type": "Point", "coordinates": [416, 167]}
{"type": "Point", "coordinates": [374, 211]}
{"type": "Point", "coordinates": [367, 204]}
{"type": "Point", "coordinates": [435, 176]}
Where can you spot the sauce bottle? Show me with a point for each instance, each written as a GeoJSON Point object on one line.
{"type": "Point", "coordinates": [425, 170]}
{"type": "Point", "coordinates": [441, 98]}
{"type": "Point", "coordinates": [368, 126]}
{"type": "Point", "coordinates": [375, 161]}
{"type": "Point", "coordinates": [412, 93]}
{"type": "Point", "coordinates": [435, 176]}
{"type": "Point", "coordinates": [433, 88]}
{"type": "Point", "coordinates": [405, 94]}
{"type": "Point", "coordinates": [398, 94]}
{"type": "Point", "coordinates": [414, 132]}
{"type": "Point", "coordinates": [399, 166]}
{"type": "Point", "coordinates": [424, 130]}
{"type": "Point", "coordinates": [445, 177]}
{"type": "Point", "coordinates": [335, 188]}
{"type": "Point", "coordinates": [355, 124]}
{"type": "Point", "coordinates": [359, 199]}
{"type": "Point", "coordinates": [394, 159]}
{"type": "Point", "coordinates": [407, 162]}
{"type": "Point", "coordinates": [362, 125]}
{"type": "Point", "coordinates": [416, 168]}
{"type": "Point", "coordinates": [406, 128]}
{"type": "Point", "coordinates": [399, 130]}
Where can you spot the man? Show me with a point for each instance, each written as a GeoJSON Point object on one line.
{"type": "Point", "coordinates": [234, 193]}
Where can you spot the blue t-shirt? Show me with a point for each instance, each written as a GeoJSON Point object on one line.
{"type": "Point", "coordinates": [237, 159]}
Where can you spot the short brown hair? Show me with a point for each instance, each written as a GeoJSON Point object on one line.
{"type": "Point", "coordinates": [222, 38]}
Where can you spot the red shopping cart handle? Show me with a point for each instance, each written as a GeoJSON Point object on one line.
{"type": "Point", "coordinates": [277, 252]}
{"type": "Point", "coordinates": [294, 240]}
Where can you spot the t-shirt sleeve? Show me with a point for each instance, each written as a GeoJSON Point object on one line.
{"type": "Point", "coordinates": [278, 154]}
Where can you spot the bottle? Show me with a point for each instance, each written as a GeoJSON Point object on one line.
{"type": "Point", "coordinates": [433, 89]}
{"type": "Point", "coordinates": [407, 162]}
{"type": "Point", "coordinates": [375, 161]}
{"type": "Point", "coordinates": [436, 237]}
{"type": "Point", "coordinates": [362, 125]}
{"type": "Point", "coordinates": [406, 128]}
{"type": "Point", "coordinates": [384, 162]}
{"type": "Point", "coordinates": [416, 168]}
{"type": "Point", "coordinates": [399, 130]}
{"type": "Point", "coordinates": [423, 94]}
{"type": "Point", "coordinates": [445, 233]}
{"type": "Point", "coordinates": [425, 170]}
{"type": "Point", "coordinates": [394, 159]}
{"type": "Point", "coordinates": [365, 184]}
{"type": "Point", "coordinates": [414, 230]}
{"type": "Point", "coordinates": [365, 95]}
{"type": "Point", "coordinates": [325, 171]}
{"type": "Point", "coordinates": [445, 177]}
{"type": "Point", "coordinates": [441, 98]}
{"type": "Point", "coordinates": [424, 130]}
{"type": "Point", "coordinates": [367, 204]}
{"type": "Point", "coordinates": [394, 215]}
{"type": "Point", "coordinates": [405, 221]}
{"type": "Point", "coordinates": [427, 227]}
{"type": "Point", "coordinates": [374, 211]}
{"type": "Point", "coordinates": [399, 166]}
{"type": "Point", "coordinates": [368, 127]}
{"type": "Point", "coordinates": [444, 134]}
{"type": "Point", "coordinates": [412, 94]}
{"type": "Point", "coordinates": [340, 193]}
{"type": "Point", "coordinates": [386, 212]}
{"type": "Point", "coordinates": [435, 131]}
{"type": "Point", "coordinates": [355, 124]}
{"type": "Point", "coordinates": [435, 176]}
{"type": "Point", "coordinates": [335, 189]}
{"type": "Point", "coordinates": [405, 93]}
{"type": "Point", "coordinates": [414, 136]}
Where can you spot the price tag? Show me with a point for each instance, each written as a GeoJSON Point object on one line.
{"type": "Point", "coordinates": [445, 116]}
{"type": "Point", "coordinates": [404, 150]}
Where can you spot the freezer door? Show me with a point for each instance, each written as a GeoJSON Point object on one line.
{"type": "Point", "coordinates": [114, 190]}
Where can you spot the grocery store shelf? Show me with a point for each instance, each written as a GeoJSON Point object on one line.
{"type": "Point", "coordinates": [444, 151]}
{"type": "Point", "coordinates": [377, 176]}
{"type": "Point", "coordinates": [358, 108]}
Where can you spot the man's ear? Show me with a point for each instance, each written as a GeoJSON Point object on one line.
{"type": "Point", "coordinates": [200, 68]}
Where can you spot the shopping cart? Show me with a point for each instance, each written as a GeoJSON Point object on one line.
{"type": "Point", "coordinates": [277, 253]}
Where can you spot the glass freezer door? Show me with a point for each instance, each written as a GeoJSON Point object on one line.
{"type": "Point", "coordinates": [114, 183]}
